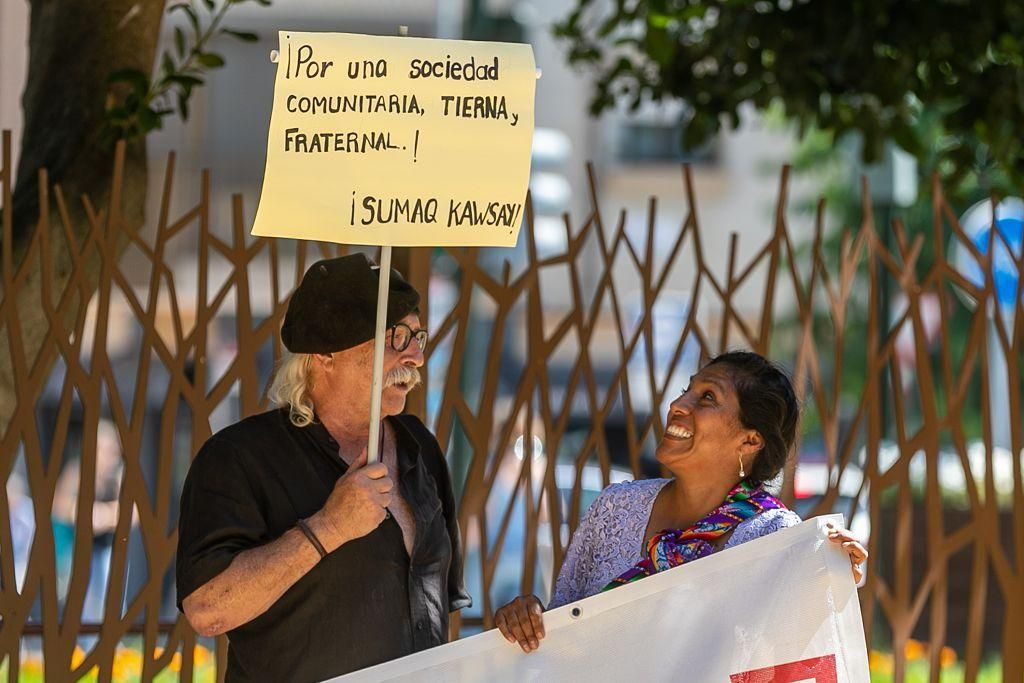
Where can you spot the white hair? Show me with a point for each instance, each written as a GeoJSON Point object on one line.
{"type": "Point", "coordinates": [290, 386]}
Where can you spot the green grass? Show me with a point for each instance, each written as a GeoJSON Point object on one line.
{"type": "Point", "coordinates": [917, 672]}
{"type": "Point", "coordinates": [127, 667]}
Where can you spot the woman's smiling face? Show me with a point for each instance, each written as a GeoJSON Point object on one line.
{"type": "Point", "coordinates": [703, 428]}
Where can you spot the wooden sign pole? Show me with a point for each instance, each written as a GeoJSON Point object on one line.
{"type": "Point", "coordinates": [383, 286]}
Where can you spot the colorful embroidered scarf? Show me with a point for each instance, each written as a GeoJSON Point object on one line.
{"type": "Point", "coordinates": [672, 547]}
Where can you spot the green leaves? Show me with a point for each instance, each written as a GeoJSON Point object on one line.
{"type": "Point", "coordinates": [128, 114]}
{"type": "Point", "coordinates": [137, 80]}
{"type": "Point", "coordinates": [191, 13]}
{"type": "Point", "coordinates": [137, 105]}
{"type": "Point", "coordinates": [210, 60]}
{"type": "Point", "coordinates": [848, 67]}
{"type": "Point", "coordinates": [179, 42]}
{"type": "Point", "coordinates": [241, 35]}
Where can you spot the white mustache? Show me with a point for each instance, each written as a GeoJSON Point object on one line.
{"type": "Point", "coordinates": [403, 375]}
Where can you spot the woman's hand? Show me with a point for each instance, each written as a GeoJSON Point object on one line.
{"type": "Point", "coordinates": [857, 552]}
{"type": "Point", "coordinates": [521, 621]}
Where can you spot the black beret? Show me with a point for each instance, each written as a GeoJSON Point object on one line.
{"type": "Point", "coordinates": [335, 306]}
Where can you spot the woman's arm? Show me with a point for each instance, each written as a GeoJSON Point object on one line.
{"type": "Point", "coordinates": [521, 621]}
{"type": "Point", "coordinates": [571, 583]}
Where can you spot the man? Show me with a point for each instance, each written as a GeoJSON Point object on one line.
{"type": "Point", "coordinates": [314, 563]}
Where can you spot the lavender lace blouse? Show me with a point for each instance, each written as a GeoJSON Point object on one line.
{"type": "Point", "coordinates": [609, 538]}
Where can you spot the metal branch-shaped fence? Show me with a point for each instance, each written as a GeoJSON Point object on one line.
{"type": "Point", "coordinates": [547, 378]}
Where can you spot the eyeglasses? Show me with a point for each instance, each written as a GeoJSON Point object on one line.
{"type": "Point", "coordinates": [402, 335]}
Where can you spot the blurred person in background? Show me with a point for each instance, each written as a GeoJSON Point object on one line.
{"type": "Point", "coordinates": [105, 511]}
{"type": "Point", "coordinates": [22, 518]}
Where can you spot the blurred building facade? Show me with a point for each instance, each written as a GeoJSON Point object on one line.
{"type": "Point", "coordinates": [635, 156]}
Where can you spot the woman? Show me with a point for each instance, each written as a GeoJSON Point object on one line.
{"type": "Point", "coordinates": [728, 433]}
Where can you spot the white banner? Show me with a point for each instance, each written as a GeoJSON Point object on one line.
{"type": "Point", "coordinates": [782, 608]}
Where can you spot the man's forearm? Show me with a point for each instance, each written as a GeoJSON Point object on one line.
{"type": "Point", "coordinates": [253, 582]}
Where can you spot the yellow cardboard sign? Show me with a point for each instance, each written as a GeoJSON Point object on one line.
{"type": "Point", "coordinates": [398, 141]}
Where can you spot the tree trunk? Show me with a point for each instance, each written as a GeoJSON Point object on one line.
{"type": "Point", "coordinates": [73, 48]}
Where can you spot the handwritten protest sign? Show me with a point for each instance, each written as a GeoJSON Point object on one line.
{"type": "Point", "coordinates": [398, 141]}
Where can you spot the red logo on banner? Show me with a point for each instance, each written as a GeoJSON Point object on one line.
{"type": "Point", "coordinates": [817, 669]}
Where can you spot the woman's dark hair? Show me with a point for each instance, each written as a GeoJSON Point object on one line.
{"type": "Point", "coordinates": [767, 404]}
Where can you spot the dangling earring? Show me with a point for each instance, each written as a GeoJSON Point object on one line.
{"type": "Point", "coordinates": [742, 473]}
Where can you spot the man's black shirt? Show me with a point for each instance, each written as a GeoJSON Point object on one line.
{"type": "Point", "coordinates": [365, 603]}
